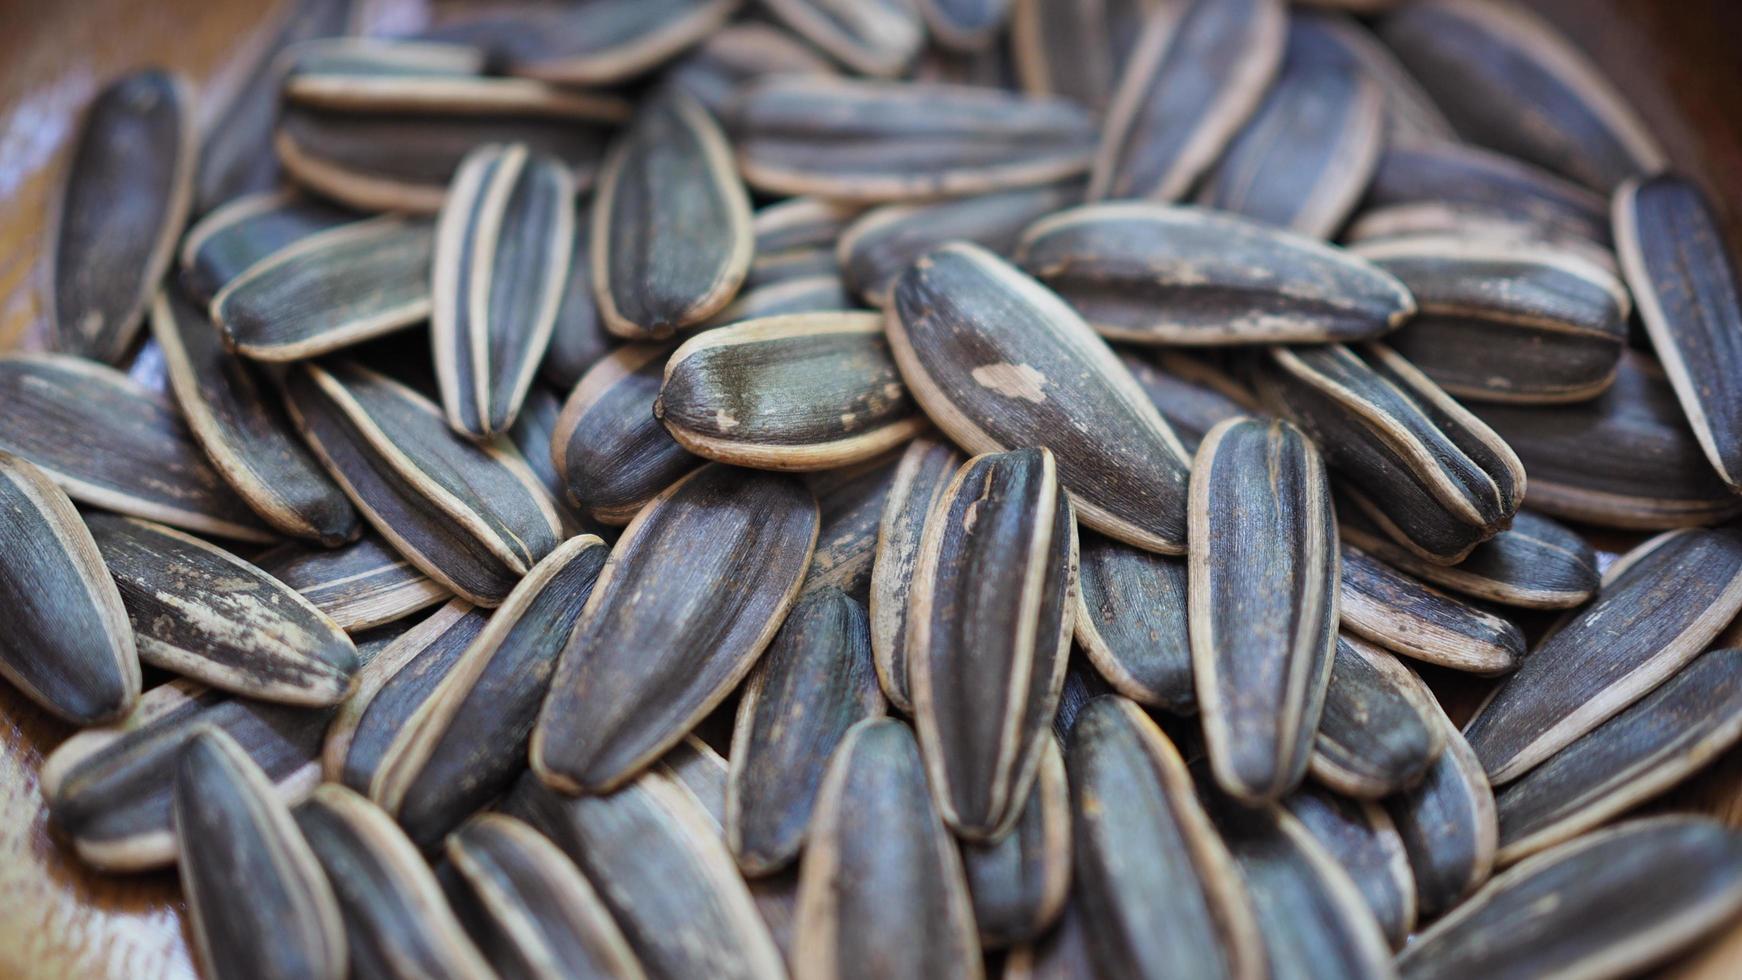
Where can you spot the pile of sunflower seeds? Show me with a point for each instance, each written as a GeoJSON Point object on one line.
{"type": "Point", "coordinates": [888, 488]}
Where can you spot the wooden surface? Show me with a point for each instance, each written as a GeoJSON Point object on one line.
{"type": "Point", "coordinates": [1675, 59]}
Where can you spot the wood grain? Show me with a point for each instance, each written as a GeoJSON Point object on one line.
{"type": "Point", "coordinates": [1676, 61]}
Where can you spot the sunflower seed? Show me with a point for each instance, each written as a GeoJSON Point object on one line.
{"type": "Point", "coordinates": [1131, 622]}
{"type": "Point", "coordinates": [671, 227]}
{"type": "Point", "coordinates": [397, 923]}
{"type": "Point", "coordinates": [1001, 518]}
{"type": "Point", "coordinates": [1436, 479]}
{"type": "Point", "coordinates": [329, 290]}
{"type": "Point", "coordinates": [1507, 322]}
{"type": "Point", "coordinates": [872, 37]}
{"type": "Point", "coordinates": [822, 293]}
{"type": "Point", "coordinates": [1534, 564]}
{"type": "Point", "coordinates": [738, 54]}
{"type": "Point", "coordinates": [404, 161]}
{"type": "Point", "coordinates": [1262, 602]}
{"type": "Point", "coordinates": [972, 335]}
{"type": "Point", "coordinates": [200, 611]}
{"type": "Point", "coordinates": [1676, 260]}
{"type": "Point", "coordinates": [1198, 72]}
{"type": "Point", "coordinates": [965, 25]}
{"type": "Point", "coordinates": [612, 454]}
{"type": "Point", "coordinates": [67, 643]}
{"type": "Point", "coordinates": [1191, 406]}
{"type": "Point", "coordinates": [390, 690]}
{"type": "Point", "coordinates": [925, 469]}
{"type": "Point", "coordinates": [880, 863]}
{"type": "Point", "coordinates": [236, 839]}
{"type": "Point", "coordinates": [578, 338]}
{"type": "Point", "coordinates": [1448, 825]}
{"type": "Point", "coordinates": [799, 224]}
{"type": "Point", "coordinates": [1606, 905]}
{"type": "Point", "coordinates": [1062, 953]}
{"type": "Point", "coordinates": [466, 742]}
{"type": "Point", "coordinates": [878, 247]}
{"type": "Point", "coordinates": [591, 44]}
{"type": "Point", "coordinates": [359, 586]}
{"type": "Point", "coordinates": [1314, 920]}
{"type": "Point", "coordinates": [1382, 605]}
{"type": "Point", "coordinates": [1158, 892]}
{"type": "Point", "coordinates": [657, 861]}
{"type": "Point", "coordinates": [1019, 884]}
{"type": "Point", "coordinates": [244, 432]}
{"type": "Point", "coordinates": [1361, 838]}
{"type": "Point", "coordinates": [801, 392]}
{"type": "Point", "coordinates": [1379, 734]}
{"type": "Point", "coordinates": [471, 516]}
{"type": "Point", "coordinates": [121, 209]}
{"type": "Point", "coordinates": [1509, 81]}
{"type": "Point", "coordinates": [531, 434]}
{"type": "Point", "coordinates": [797, 263]}
{"type": "Point", "coordinates": [1075, 50]}
{"type": "Point", "coordinates": [531, 912]}
{"type": "Point", "coordinates": [850, 501]}
{"type": "Point", "coordinates": [112, 443]}
{"type": "Point", "coordinates": [1636, 755]}
{"type": "Point", "coordinates": [459, 91]}
{"type": "Point", "coordinates": [501, 258]}
{"type": "Point", "coordinates": [1659, 606]}
{"type": "Point", "coordinates": [869, 141]}
{"type": "Point", "coordinates": [814, 683]}
{"type": "Point", "coordinates": [1154, 274]}
{"type": "Point", "coordinates": [1305, 156]}
{"type": "Point", "coordinates": [223, 244]}
{"type": "Point", "coordinates": [660, 644]}
{"type": "Point", "coordinates": [364, 59]}
{"type": "Point", "coordinates": [1416, 170]}
{"type": "Point", "coordinates": [1440, 220]}
{"type": "Point", "coordinates": [1626, 459]}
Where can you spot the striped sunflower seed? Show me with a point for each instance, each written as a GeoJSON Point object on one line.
{"type": "Point", "coordinates": [1019, 884]}
{"type": "Point", "coordinates": [612, 454]}
{"type": "Point", "coordinates": [1001, 518]}
{"type": "Point", "coordinates": [821, 293]}
{"type": "Point", "coordinates": [872, 37]}
{"type": "Point", "coordinates": [1437, 480]}
{"type": "Point", "coordinates": [1359, 836]}
{"type": "Point", "coordinates": [1075, 50]}
{"type": "Point", "coordinates": [660, 644]}
{"type": "Point", "coordinates": [1509, 322]}
{"type": "Point", "coordinates": [850, 500]}
{"type": "Point", "coordinates": [1156, 274]}
{"type": "Point", "coordinates": [880, 863]}
{"type": "Point", "coordinates": [1262, 576]}
{"type": "Point", "coordinates": [926, 468]}
{"type": "Point", "coordinates": [465, 742]}
{"type": "Point", "coordinates": [533, 430]}
{"type": "Point", "coordinates": [1509, 81]}
{"type": "Point", "coordinates": [397, 923]}
{"type": "Point", "coordinates": [372, 58]}
{"type": "Point", "coordinates": [329, 290]}
{"type": "Point", "coordinates": [110, 442]}
{"type": "Point", "coordinates": [1636, 755]}
{"type": "Point", "coordinates": [1198, 72]}
{"type": "Point", "coordinates": [965, 25]}
{"type": "Point", "coordinates": [799, 224]}
{"type": "Point", "coordinates": [1304, 158]}
{"type": "Point", "coordinates": [876, 249]}
{"type": "Point", "coordinates": [225, 243]}
{"type": "Point", "coordinates": [738, 54]}
{"type": "Point", "coordinates": [236, 839]}
{"type": "Point", "coordinates": [1385, 606]}
{"type": "Point", "coordinates": [1626, 459]}
{"type": "Point", "coordinates": [471, 516]}
{"type": "Point", "coordinates": [807, 391]}
{"type": "Point", "coordinates": [244, 431]}
{"type": "Point", "coordinates": [1131, 622]}
{"type": "Point", "coordinates": [1159, 894]}
{"type": "Point", "coordinates": [999, 362]}
{"type": "Point", "coordinates": [1659, 606]}
{"type": "Point", "coordinates": [1673, 249]}
{"type": "Point", "coordinates": [1379, 734]}
{"type": "Point", "coordinates": [599, 43]}
{"type": "Point", "coordinates": [1606, 905]}
{"type": "Point", "coordinates": [67, 643]}
{"type": "Point", "coordinates": [1082, 685]}
{"type": "Point", "coordinates": [372, 78]}
{"type": "Point", "coordinates": [815, 682]}
{"type": "Point", "coordinates": [797, 263]}
{"type": "Point", "coordinates": [1442, 220]}
{"type": "Point", "coordinates": [671, 226]}
{"type": "Point", "coordinates": [531, 912]}
{"type": "Point", "coordinates": [359, 586]}
{"type": "Point", "coordinates": [1409, 112]}
{"type": "Point", "coordinates": [200, 611]}
{"type": "Point", "coordinates": [122, 208]}
{"type": "Point", "coordinates": [1448, 825]}
{"type": "Point", "coordinates": [655, 857]}
{"type": "Point", "coordinates": [500, 261]}
{"type": "Point", "coordinates": [1534, 564]}
{"type": "Point", "coordinates": [1062, 953]}
{"type": "Point", "coordinates": [1189, 403]}
{"type": "Point", "coordinates": [872, 141]}
{"type": "Point", "coordinates": [578, 338]}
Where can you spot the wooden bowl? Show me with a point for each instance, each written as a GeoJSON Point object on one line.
{"type": "Point", "coordinates": [1676, 61]}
